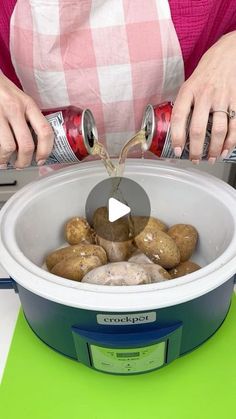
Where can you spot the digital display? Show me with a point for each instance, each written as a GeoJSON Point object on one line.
{"type": "Point", "coordinates": [127, 354]}
{"type": "Point", "coordinates": [128, 360]}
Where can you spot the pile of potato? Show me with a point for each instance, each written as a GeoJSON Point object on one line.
{"type": "Point", "coordinates": [123, 257]}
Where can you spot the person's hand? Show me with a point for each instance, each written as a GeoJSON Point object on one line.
{"type": "Point", "coordinates": [16, 111]}
{"type": "Point", "coordinates": [211, 87]}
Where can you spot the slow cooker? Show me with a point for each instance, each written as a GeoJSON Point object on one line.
{"type": "Point", "coordinates": [115, 329]}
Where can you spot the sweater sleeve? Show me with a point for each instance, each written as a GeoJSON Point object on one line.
{"type": "Point", "coordinates": [6, 9]}
{"type": "Point", "coordinates": [199, 24]}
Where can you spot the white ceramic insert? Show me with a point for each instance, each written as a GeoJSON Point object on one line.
{"type": "Point", "coordinates": [31, 225]}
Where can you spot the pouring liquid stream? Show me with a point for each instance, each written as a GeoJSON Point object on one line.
{"type": "Point", "coordinates": [137, 139]}
{"type": "Point", "coordinates": [100, 150]}
{"type": "Point", "coordinates": [116, 171]}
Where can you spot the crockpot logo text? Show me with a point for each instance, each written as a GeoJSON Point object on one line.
{"type": "Point", "coordinates": [125, 319]}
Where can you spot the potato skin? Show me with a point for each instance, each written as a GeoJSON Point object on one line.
{"type": "Point", "coordinates": [118, 273]}
{"type": "Point", "coordinates": [159, 247]}
{"type": "Point", "coordinates": [78, 230]}
{"type": "Point", "coordinates": [77, 250]}
{"type": "Point", "coordinates": [76, 267]}
{"type": "Point", "coordinates": [156, 272]}
{"type": "Point", "coordinates": [139, 257]}
{"type": "Point", "coordinates": [185, 236]}
{"type": "Point", "coordinates": [116, 251]}
{"type": "Point", "coordinates": [184, 268]}
{"type": "Point", "coordinates": [117, 231]}
{"type": "Point", "coordinates": [141, 222]}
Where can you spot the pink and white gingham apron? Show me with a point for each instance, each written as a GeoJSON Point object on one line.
{"type": "Point", "coordinates": [112, 56]}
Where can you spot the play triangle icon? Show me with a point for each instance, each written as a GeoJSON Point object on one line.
{"type": "Point", "coordinates": [116, 210]}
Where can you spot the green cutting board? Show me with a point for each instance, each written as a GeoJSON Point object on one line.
{"type": "Point", "coordinates": [41, 384]}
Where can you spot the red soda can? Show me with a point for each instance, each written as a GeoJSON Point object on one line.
{"type": "Point", "coordinates": [75, 132]}
{"type": "Point", "coordinates": [156, 123]}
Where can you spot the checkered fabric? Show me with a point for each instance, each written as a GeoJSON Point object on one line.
{"type": "Point", "coordinates": [112, 56]}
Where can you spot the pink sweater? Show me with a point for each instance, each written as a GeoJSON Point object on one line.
{"type": "Point", "coordinates": [198, 23]}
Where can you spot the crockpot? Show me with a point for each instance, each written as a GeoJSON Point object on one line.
{"type": "Point", "coordinates": [122, 329]}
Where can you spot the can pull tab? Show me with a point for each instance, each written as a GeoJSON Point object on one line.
{"type": "Point", "coordinates": [148, 129]}
{"type": "Point", "coordinates": [148, 124]}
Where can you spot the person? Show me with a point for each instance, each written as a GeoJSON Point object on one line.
{"type": "Point", "coordinates": [114, 57]}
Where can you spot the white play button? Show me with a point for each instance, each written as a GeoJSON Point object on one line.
{"type": "Point", "coordinates": [116, 210]}
{"type": "Point", "coordinates": [117, 198]}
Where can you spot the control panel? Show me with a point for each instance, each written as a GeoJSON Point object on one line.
{"type": "Point", "coordinates": [125, 361]}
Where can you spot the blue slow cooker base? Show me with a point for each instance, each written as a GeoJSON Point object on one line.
{"type": "Point", "coordinates": [145, 372]}
{"type": "Point", "coordinates": [199, 319]}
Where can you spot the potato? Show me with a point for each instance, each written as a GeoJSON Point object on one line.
{"type": "Point", "coordinates": [76, 267]}
{"type": "Point", "coordinates": [159, 247]}
{"type": "Point", "coordinates": [100, 216]}
{"type": "Point", "coordinates": [119, 273]}
{"type": "Point", "coordinates": [156, 272]}
{"type": "Point", "coordinates": [184, 268]}
{"type": "Point", "coordinates": [77, 230]}
{"type": "Point", "coordinates": [141, 222]}
{"type": "Point", "coordinates": [139, 257]}
{"type": "Point", "coordinates": [185, 236]}
{"type": "Point", "coordinates": [116, 251]}
{"type": "Point", "coordinates": [111, 231]}
{"type": "Point", "coordinates": [77, 250]}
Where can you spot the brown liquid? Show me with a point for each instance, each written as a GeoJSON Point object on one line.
{"type": "Point", "coordinates": [118, 170]}
{"type": "Point", "coordinates": [100, 150]}
{"type": "Point", "coordinates": [138, 138]}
